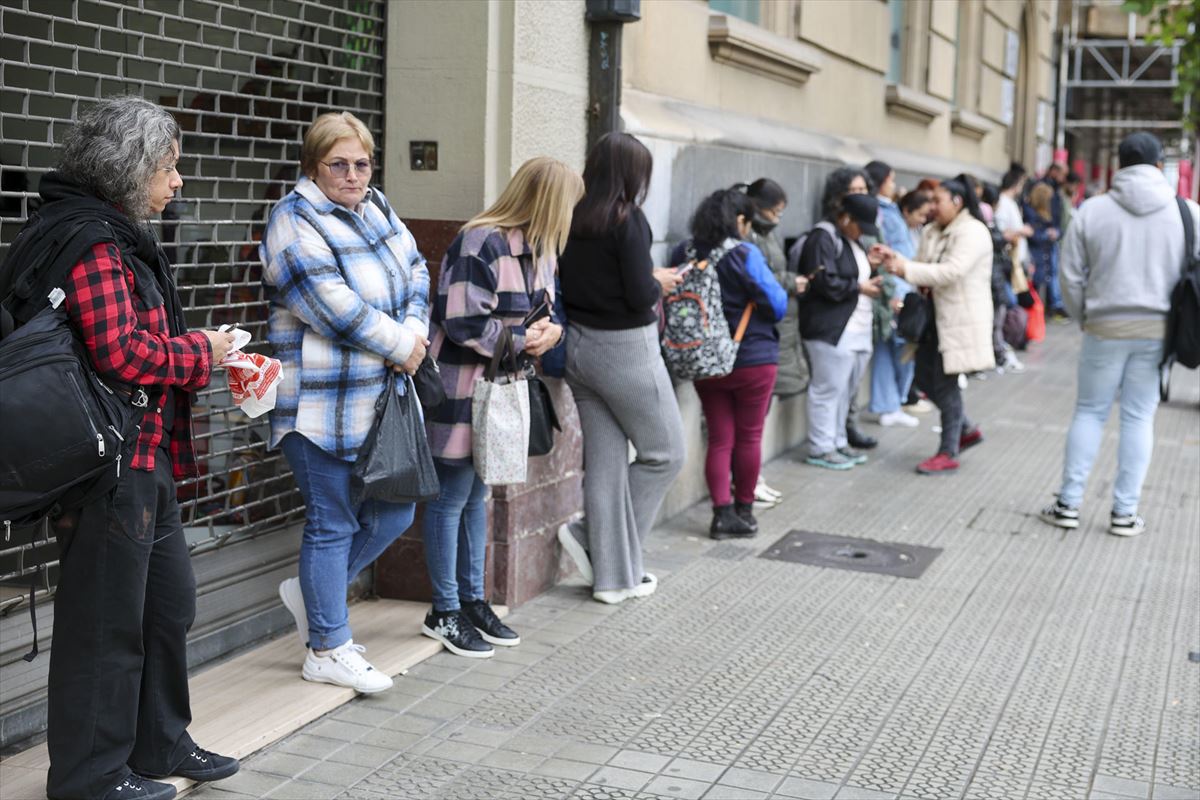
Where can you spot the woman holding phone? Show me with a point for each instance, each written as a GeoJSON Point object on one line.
{"type": "Point", "coordinates": [616, 372]}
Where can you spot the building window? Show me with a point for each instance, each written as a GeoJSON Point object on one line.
{"type": "Point", "coordinates": [896, 42]}
{"type": "Point", "coordinates": [742, 9]}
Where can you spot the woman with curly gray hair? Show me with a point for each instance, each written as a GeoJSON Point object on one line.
{"type": "Point", "coordinates": [118, 690]}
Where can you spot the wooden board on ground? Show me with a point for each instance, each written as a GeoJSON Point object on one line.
{"type": "Point", "coordinates": [257, 698]}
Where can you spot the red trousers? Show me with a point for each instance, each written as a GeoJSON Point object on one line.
{"type": "Point", "coordinates": [735, 407]}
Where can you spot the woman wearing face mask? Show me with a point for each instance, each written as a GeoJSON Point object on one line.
{"type": "Point", "coordinates": [792, 375]}
{"type": "Point", "coordinates": [735, 405]}
{"type": "Point", "coordinates": [836, 317]}
{"type": "Point", "coordinates": [954, 261]}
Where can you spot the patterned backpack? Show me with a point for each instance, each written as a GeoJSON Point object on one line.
{"type": "Point", "coordinates": [696, 342]}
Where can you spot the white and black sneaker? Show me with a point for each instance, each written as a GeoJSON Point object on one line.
{"type": "Point", "coordinates": [456, 631]}
{"type": "Point", "coordinates": [1058, 514]}
{"type": "Point", "coordinates": [488, 624]}
{"type": "Point", "coordinates": [1126, 525]}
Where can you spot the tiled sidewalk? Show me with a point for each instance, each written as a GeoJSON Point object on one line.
{"type": "Point", "coordinates": [1027, 662]}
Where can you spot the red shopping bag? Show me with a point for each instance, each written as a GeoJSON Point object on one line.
{"type": "Point", "coordinates": [1035, 326]}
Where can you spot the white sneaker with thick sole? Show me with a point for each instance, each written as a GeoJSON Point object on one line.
{"type": "Point", "coordinates": [1126, 525]}
{"type": "Point", "coordinates": [922, 406]}
{"type": "Point", "coordinates": [894, 418]}
{"type": "Point", "coordinates": [765, 494]}
{"type": "Point", "coordinates": [647, 586]}
{"type": "Point", "coordinates": [293, 601]}
{"type": "Point", "coordinates": [345, 666]}
{"type": "Point", "coordinates": [573, 548]}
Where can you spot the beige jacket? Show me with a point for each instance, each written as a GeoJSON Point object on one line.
{"type": "Point", "coordinates": [956, 262]}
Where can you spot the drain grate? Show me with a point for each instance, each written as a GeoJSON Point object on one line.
{"type": "Point", "coordinates": [848, 552]}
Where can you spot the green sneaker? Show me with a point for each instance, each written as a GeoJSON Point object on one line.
{"type": "Point", "coordinates": [855, 457]}
{"type": "Point", "coordinates": [831, 460]}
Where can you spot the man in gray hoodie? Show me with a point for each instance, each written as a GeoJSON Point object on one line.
{"type": "Point", "coordinates": [1121, 257]}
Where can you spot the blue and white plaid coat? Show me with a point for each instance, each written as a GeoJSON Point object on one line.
{"type": "Point", "coordinates": [348, 289]}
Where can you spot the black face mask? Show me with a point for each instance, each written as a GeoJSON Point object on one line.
{"type": "Point", "coordinates": [762, 224]}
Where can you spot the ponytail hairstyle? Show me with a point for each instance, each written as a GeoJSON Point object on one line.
{"type": "Point", "coordinates": [962, 187]}
{"type": "Point", "coordinates": [715, 219]}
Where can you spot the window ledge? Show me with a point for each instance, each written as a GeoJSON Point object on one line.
{"type": "Point", "coordinates": [744, 45]}
{"type": "Point", "coordinates": [903, 101]}
{"type": "Point", "coordinates": [966, 123]}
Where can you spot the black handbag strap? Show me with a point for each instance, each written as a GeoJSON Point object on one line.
{"type": "Point", "coordinates": [504, 345]}
{"type": "Point", "coordinates": [1189, 236]}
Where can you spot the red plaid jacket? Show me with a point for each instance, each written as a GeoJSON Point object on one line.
{"type": "Point", "coordinates": [130, 343]}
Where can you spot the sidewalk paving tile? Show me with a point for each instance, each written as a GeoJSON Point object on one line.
{"type": "Point", "coordinates": [462, 751]}
{"type": "Point", "coordinates": [720, 792]}
{"type": "Point", "coordinates": [363, 755]}
{"type": "Point", "coordinates": [750, 779]}
{"type": "Point", "coordinates": [806, 789]}
{"type": "Point", "coordinates": [438, 709]}
{"type": "Point", "coordinates": [632, 759]}
{"type": "Point", "coordinates": [392, 740]}
{"type": "Point", "coordinates": [305, 790]}
{"type": "Point", "coordinates": [670, 786]}
{"type": "Point", "coordinates": [562, 768]}
{"type": "Point", "coordinates": [694, 770]}
{"type": "Point", "coordinates": [336, 774]}
{"type": "Point", "coordinates": [591, 753]}
{"type": "Point", "coordinates": [305, 744]}
{"type": "Point", "coordinates": [252, 782]}
{"type": "Point", "coordinates": [507, 759]}
{"type": "Point", "coordinates": [286, 764]}
{"type": "Point", "coordinates": [407, 723]}
{"type": "Point", "coordinates": [620, 778]}
{"type": "Point", "coordinates": [1121, 786]}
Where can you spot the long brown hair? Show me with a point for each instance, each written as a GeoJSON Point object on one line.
{"type": "Point", "coordinates": [617, 176]}
{"type": "Point", "coordinates": [1040, 197]}
{"type": "Point", "coordinates": [539, 200]}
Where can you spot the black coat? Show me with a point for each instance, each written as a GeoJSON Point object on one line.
{"type": "Point", "coordinates": [828, 261]}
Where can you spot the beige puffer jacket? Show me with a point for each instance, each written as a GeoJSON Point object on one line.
{"type": "Point", "coordinates": [956, 262]}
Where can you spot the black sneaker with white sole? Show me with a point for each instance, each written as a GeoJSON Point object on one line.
{"type": "Point", "coordinates": [1126, 525]}
{"type": "Point", "coordinates": [137, 787]}
{"type": "Point", "coordinates": [454, 630]}
{"type": "Point", "coordinates": [488, 624]}
{"type": "Point", "coordinates": [1063, 516]}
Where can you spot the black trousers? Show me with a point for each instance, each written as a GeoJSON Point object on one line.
{"type": "Point", "coordinates": [118, 690]}
{"type": "Point", "coordinates": [943, 391]}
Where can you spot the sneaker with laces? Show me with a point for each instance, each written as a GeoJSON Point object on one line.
{"type": "Point", "coordinates": [1012, 363]}
{"type": "Point", "coordinates": [647, 587]}
{"type": "Point", "coordinates": [897, 417]}
{"type": "Point", "coordinates": [457, 634]}
{"type": "Point", "coordinates": [137, 787]}
{"type": "Point", "coordinates": [293, 601]}
{"type": "Point", "coordinates": [345, 666]}
{"type": "Point", "coordinates": [574, 548]}
{"type": "Point", "coordinates": [855, 457]}
{"type": "Point", "coordinates": [969, 438]}
{"type": "Point", "coordinates": [481, 615]}
{"type": "Point", "coordinates": [939, 464]}
{"type": "Point", "coordinates": [922, 406]}
{"type": "Point", "coordinates": [1126, 525]}
{"type": "Point", "coordinates": [1061, 515]}
{"type": "Point", "coordinates": [831, 460]}
{"type": "Point", "coordinates": [205, 765]}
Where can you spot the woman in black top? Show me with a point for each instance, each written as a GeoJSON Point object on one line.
{"type": "Point", "coordinates": [610, 291]}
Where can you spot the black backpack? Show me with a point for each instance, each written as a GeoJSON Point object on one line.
{"type": "Point", "coordinates": [1182, 342]}
{"type": "Point", "coordinates": [64, 432]}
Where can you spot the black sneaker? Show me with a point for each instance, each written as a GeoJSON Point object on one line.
{"type": "Point", "coordinates": [859, 440]}
{"type": "Point", "coordinates": [488, 624]}
{"type": "Point", "coordinates": [726, 524]}
{"type": "Point", "coordinates": [204, 765]}
{"type": "Point", "coordinates": [454, 630]}
{"type": "Point", "coordinates": [1062, 516]}
{"type": "Point", "coordinates": [139, 788]}
{"type": "Point", "coordinates": [745, 512]}
{"type": "Point", "coordinates": [1126, 525]}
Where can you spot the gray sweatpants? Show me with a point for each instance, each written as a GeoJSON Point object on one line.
{"type": "Point", "coordinates": [624, 395]}
{"type": "Point", "coordinates": [836, 373]}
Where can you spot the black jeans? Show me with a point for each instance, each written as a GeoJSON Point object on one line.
{"type": "Point", "coordinates": [943, 391]}
{"type": "Point", "coordinates": [118, 690]}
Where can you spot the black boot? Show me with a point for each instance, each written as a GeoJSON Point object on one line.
{"type": "Point", "coordinates": [726, 524]}
{"type": "Point", "coordinates": [859, 440]}
{"type": "Point", "coordinates": [745, 512]}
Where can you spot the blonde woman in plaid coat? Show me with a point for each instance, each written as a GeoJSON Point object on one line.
{"type": "Point", "coordinates": [349, 301]}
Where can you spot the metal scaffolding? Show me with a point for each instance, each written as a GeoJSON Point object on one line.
{"type": "Point", "coordinates": [1109, 85]}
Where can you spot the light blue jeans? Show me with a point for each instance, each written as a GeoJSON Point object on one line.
{"type": "Point", "coordinates": [456, 536]}
{"type": "Point", "coordinates": [340, 540]}
{"type": "Point", "coordinates": [890, 379]}
{"type": "Point", "coordinates": [1108, 367]}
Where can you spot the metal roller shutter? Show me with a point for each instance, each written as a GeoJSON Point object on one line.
{"type": "Point", "coordinates": [244, 79]}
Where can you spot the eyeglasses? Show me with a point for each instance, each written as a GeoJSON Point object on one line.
{"type": "Point", "coordinates": [340, 169]}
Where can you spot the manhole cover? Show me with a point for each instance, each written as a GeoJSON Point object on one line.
{"type": "Point", "coordinates": [848, 552]}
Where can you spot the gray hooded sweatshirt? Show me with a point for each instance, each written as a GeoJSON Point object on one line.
{"type": "Point", "coordinates": [1123, 254]}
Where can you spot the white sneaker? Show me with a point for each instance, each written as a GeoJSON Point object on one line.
{"type": "Point", "coordinates": [922, 406]}
{"type": "Point", "coordinates": [898, 417]}
{"type": "Point", "coordinates": [345, 666]}
{"type": "Point", "coordinates": [647, 586]}
{"type": "Point", "coordinates": [574, 548]}
{"type": "Point", "coordinates": [293, 601]}
{"type": "Point", "coordinates": [1012, 363]}
{"type": "Point", "coordinates": [765, 494]}
{"type": "Point", "coordinates": [962, 382]}
{"type": "Point", "coordinates": [1126, 525]}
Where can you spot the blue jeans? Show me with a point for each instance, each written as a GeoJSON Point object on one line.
{"type": "Point", "coordinates": [890, 379]}
{"type": "Point", "coordinates": [340, 540]}
{"type": "Point", "coordinates": [456, 536]}
{"type": "Point", "coordinates": [1046, 279]}
{"type": "Point", "coordinates": [1106, 367]}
